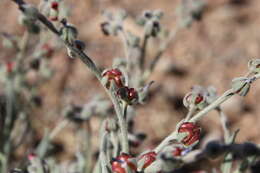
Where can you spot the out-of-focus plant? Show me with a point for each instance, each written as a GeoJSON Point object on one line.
{"type": "Point", "coordinates": [127, 85]}
{"type": "Point", "coordinates": [21, 74]}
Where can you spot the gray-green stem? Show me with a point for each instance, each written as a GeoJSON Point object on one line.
{"type": "Point", "coordinates": [91, 65]}
{"type": "Point", "coordinates": [228, 94]}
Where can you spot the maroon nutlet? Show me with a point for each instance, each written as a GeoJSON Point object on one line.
{"type": "Point", "coordinates": [9, 67]}
{"type": "Point", "coordinates": [177, 151]}
{"type": "Point", "coordinates": [123, 162]}
{"type": "Point", "coordinates": [104, 28]}
{"type": "Point", "coordinates": [193, 133]}
{"type": "Point", "coordinates": [149, 157]}
{"type": "Point", "coordinates": [127, 94]}
{"type": "Point", "coordinates": [198, 99]}
{"type": "Point", "coordinates": [55, 5]}
{"type": "Point", "coordinates": [115, 75]}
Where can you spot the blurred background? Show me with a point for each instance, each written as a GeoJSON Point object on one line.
{"type": "Point", "coordinates": [211, 52]}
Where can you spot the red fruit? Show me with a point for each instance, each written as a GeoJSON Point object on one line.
{"type": "Point", "coordinates": [55, 5]}
{"type": "Point", "coordinates": [117, 167]}
{"type": "Point", "coordinates": [115, 75]}
{"type": "Point", "coordinates": [132, 94]}
{"type": "Point", "coordinates": [119, 164]}
{"type": "Point", "coordinates": [129, 95]}
{"type": "Point", "coordinates": [177, 151]}
{"type": "Point", "coordinates": [149, 157]}
{"type": "Point", "coordinates": [193, 133]}
{"type": "Point", "coordinates": [9, 67]}
{"type": "Point", "coordinates": [198, 99]}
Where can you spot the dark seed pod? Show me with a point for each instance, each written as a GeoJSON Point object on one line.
{"type": "Point", "coordinates": [73, 114]}
{"type": "Point", "coordinates": [80, 44]}
{"type": "Point", "coordinates": [148, 14]}
{"type": "Point", "coordinates": [213, 149]}
{"type": "Point", "coordinates": [156, 28]}
{"type": "Point", "coordinates": [250, 149]}
{"type": "Point", "coordinates": [196, 15]}
{"type": "Point", "coordinates": [35, 64]}
{"type": "Point", "coordinates": [104, 28]}
{"type": "Point", "coordinates": [123, 162]}
{"type": "Point", "coordinates": [37, 100]}
{"type": "Point", "coordinates": [141, 136]}
{"type": "Point", "coordinates": [129, 95]}
{"type": "Point", "coordinates": [255, 168]}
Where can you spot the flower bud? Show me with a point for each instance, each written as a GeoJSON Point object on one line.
{"type": "Point", "coordinates": [191, 133]}
{"type": "Point", "coordinates": [254, 65]}
{"type": "Point", "coordinates": [122, 15]}
{"type": "Point", "coordinates": [158, 14]}
{"type": "Point", "coordinates": [148, 14]}
{"type": "Point", "coordinates": [30, 11]}
{"type": "Point", "coordinates": [68, 32]}
{"type": "Point", "coordinates": [114, 23]}
{"type": "Point", "coordinates": [155, 28]}
{"type": "Point", "coordinates": [124, 162]}
{"type": "Point", "coordinates": [30, 24]}
{"type": "Point", "coordinates": [241, 85]}
{"type": "Point", "coordinates": [194, 99]}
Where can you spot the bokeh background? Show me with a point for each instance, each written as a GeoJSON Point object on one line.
{"type": "Point", "coordinates": [210, 52]}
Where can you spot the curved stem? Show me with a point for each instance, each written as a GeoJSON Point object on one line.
{"type": "Point", "coordinates": [121, 120]}
{"type": "Point", "coordinates": [190, 113]}
{"type": "Point", "coordinates": [229, 93]}
{"type": "Point", "coordinates": [196, 117]}
{"type": "Point", "coordinates": [123, 37]}
{"type": "Point", "coordinates": [91, 65]}
{"type": "Point", "coordinates": [143, 52]}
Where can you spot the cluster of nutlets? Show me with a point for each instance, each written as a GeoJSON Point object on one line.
{"type": "Point", "coordinates": [127, 163]}
{"type": "Point", "coordinates": [188, 132]}
{"type": "Point", "coordinates": [125, 93]}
